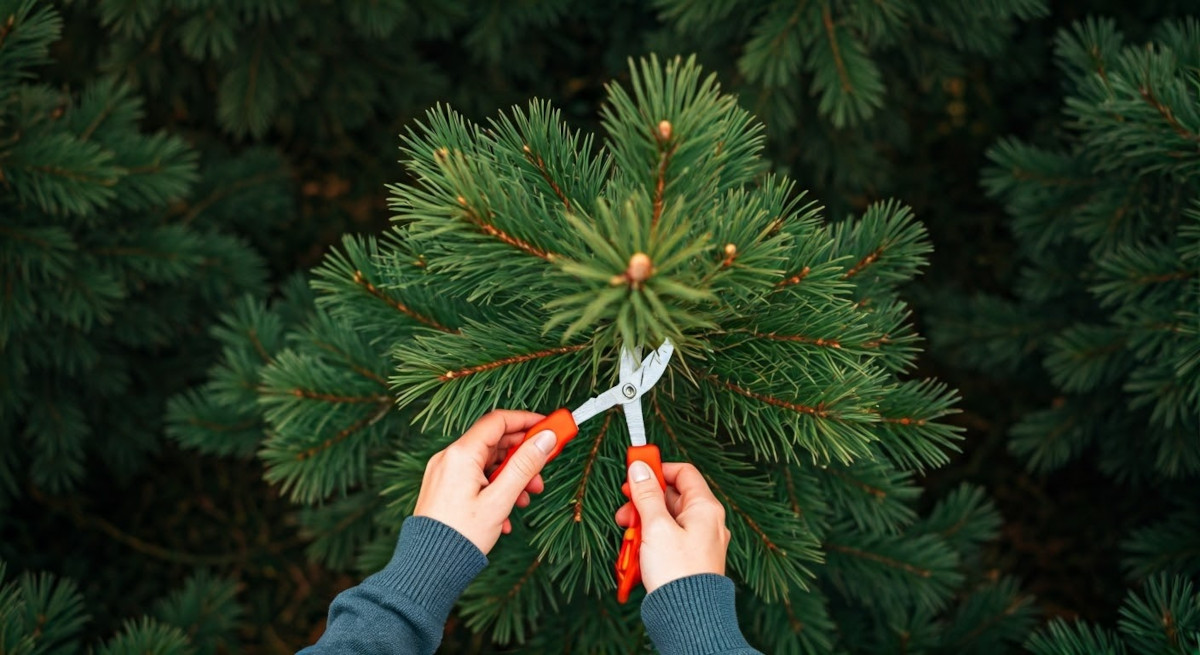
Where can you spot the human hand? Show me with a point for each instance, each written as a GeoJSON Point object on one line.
{"type": "Point", "coordinates": [455, 489]}
{"type": "Point", "coordinates": [683, 529]}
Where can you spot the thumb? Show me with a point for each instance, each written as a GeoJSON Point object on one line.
{"type": "Point", "coordinates": [647, 496]}
{"type": "Point", "coordinates": [524, 465]}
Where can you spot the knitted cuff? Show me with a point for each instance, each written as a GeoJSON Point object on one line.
{"type": "Point", "coordinates": [694, 616]}
{"type": "Point", "coordinates": [431, 565]}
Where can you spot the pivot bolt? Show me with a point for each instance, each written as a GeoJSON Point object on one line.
{"type": "Point", "coordinates": [629, 391]}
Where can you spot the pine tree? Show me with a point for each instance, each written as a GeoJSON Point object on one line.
{"type": "Point", "coordinates": [109, 278]}
{"type": "Point", "coordinates": [848, 90]}
{"type": "Point", "coordinates": [40, 614]}
{"type": "Point", "coordinates": [1105, 313]}
{"type": "Point", "coordinates": [328, 85]}
{"type": "Point", "coordinates": [1165, 618]}
{"type": "Point", "coordinates": [507, 282]}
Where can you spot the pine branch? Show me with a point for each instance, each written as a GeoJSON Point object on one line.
{"type": "Point", "coordinates": [509, 361]}
{"type": "Point", "coordinates": [474, 218]}
{"type": "Point", "coordinates": [360, 280]}
{"type": "Point", "coordinates": [1147, 94]}
{"type": "Point", "coordinates": [541, 166]}
{"type": "Point", "coordinates": [795, 278]}
{"type": "Point", "coordinates": [587, 467]}
{"type": "Point", "coordinates": [346, 432]}
{"type": "Point", "coordinates": [863, 263]}
{"type": "Point", "coordinates": [839, 63]}
{"type": "Point", "coordinates": [881, 559]}
{"type": "Point", "coordinates": [817, 411]}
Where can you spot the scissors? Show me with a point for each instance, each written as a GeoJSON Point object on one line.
{"type": "Point", "coordinates": [635, 380]}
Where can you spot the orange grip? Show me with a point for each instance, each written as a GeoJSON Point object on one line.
{"type": "Point", "coordinates": [629, 569]}
{"type": "Point", "coordinates": [560, 422]}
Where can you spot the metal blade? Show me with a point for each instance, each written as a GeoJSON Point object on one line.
{"type": "Point", "coordinates": [629, 362]}
{"type": "Point", "coordinates": [633, 383]}
{"type": "Point", "coordinates": [594, 406]}
{"type": "Point", "coordinates": [635, 421]}
{"type": "Point", "coordinates": [654, 366]}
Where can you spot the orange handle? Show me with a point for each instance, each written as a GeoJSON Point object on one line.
{"type": "Point", "coordinates": [629, 569]}
{"type": "Point", "coordinates": [560, 422]}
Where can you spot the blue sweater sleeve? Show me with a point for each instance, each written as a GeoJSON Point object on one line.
{"type": "Point", "coordinates": [402, 609]}
{"type": "Point", "coordinates": [695, 616]}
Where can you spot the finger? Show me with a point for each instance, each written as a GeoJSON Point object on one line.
{"type": "Point", "coordinates": [646, 495]}
{"type": "Point", "coordinates": [690, 483]}
{"type": "Point", "coordinates": [506, 528]}
{"type": "Point", "coordinates": [624, 515]}
{"type": "Point", "coordinates": [522, 468]}
{"type": "Point", "coordinates": [537, 485]}
{"type": "Point", "coordinates": [486, 433]}
{"type": "Point", "coordinates": [523, 499]}
{"type": "Point", "coordinates": [674, 501]}
{"type": "Point", "coordinates": [507, 442]}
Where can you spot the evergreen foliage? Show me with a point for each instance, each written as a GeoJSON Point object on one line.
{"type": "Point", "coordinates": [827, 77]}
{"type": "Point", "coordinates": [1164, 618]}
{"type": "Point", "coordinates": [41, 615]}
{"type": "Point", "coordinates": [1109, 232]}
{"type": "Point", "coordinates": [250, 68]}
{"type": "Point", "coordinates": [107, 281]}
{"type": "Point", "coordinates": [506, 282]}
{"type": "Point", "coordinates": [1108, 297]}
{"type": "Point", "coordinates": [1107, 309]}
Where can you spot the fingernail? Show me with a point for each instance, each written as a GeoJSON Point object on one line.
{"type": "Point", "coordinates": [639, 471]}
{"type": "Point", "coordinates": [545, 441]}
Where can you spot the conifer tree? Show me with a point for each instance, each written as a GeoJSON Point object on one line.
{"type": "Point", "coordinates": [1163, 618]}
{"type": "Point", "coordinates": [40, 614]}
{"type": "Point", "coordinates": [1104, 319]}
{"type": "Point", "coordinates": [249, 68]}
{"type": "Point", "coordinates": [109, 280]}
{"type": "Point", "coordinates": [510, 280]}
{"type": "Point", "coordinates": [840, 85]}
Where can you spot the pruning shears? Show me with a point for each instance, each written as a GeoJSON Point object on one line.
{"type": "Point", "coordinates": [635, 380]}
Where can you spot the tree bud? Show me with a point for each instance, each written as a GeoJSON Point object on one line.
{"type": "Point", "coordinates": [640, 267]}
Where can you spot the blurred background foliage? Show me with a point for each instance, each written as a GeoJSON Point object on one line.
{"type": "Point", "coordinates": [283, 115]}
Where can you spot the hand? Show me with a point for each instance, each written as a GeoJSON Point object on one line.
{"type": "Point", "coordinates": [683, 529]}
{"type": "Point", "coordinates": [455, 489]}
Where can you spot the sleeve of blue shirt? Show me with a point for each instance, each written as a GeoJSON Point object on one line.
{"type": "Point", "coordinates": [403, 609]}
{"type": "Point", "coordinates": [695, 616]}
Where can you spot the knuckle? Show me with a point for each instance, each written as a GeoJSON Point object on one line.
{"type": "Point", "coordinates": [712, 508]}
{"type": "Point", "coordinates": [458, 453]}
{"type": "Point", "coordinates": [647, 495]}
{"type": "Point", "coordinates": [435, 461]}
{"type": "Point", "coordinates": [656, 529]}
{"type": "Point", "coordinates": [524, 465]}
{"type": "Point", "coordinates": [719, 512]}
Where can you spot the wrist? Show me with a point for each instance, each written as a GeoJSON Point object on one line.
{"type": "Point", "coordinates": [693, 615]}
{"type": "Point", "coordinates": [432, 564]}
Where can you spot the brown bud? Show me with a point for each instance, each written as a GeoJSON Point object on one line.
{"type": "Point", "coordinates": [664, 130]}
{"type": "Point", "coordinates": [730, 249]}
{"type": "Point", "coordinates": [640, 267]}
{"type": "Point", "coordinates": [462, 201]}
{"type": "Point", "coordinates": [526, 149]}
{"type": "Point", "coordinates": [441, 153]}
